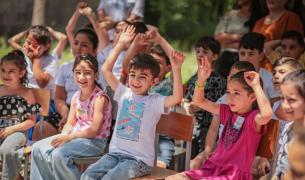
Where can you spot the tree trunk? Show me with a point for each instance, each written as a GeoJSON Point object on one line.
{"type": "Point", "coordinates": [38, 17]}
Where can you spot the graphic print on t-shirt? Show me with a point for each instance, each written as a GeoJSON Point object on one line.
{"type": "Point", "coordinates": [129, 121]}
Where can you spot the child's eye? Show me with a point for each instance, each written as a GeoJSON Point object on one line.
{"type": "Point", "coordinates": [131, 75]}
{"type": "Point", "coordinates": [291, 101]}
{"type": "Point", "coordinates": [236, 93]}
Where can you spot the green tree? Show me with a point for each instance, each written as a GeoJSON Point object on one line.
{"type": "Point", "coordinates": [184, 21]}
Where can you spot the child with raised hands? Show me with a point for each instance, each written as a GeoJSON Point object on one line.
{"type": "Point", "coordinates": [131, 151]}
{"type": "Point", "coordinates": [15, 41]}
{"type": "Point", "coordinates": [86, 132]}
{"type": "Point", "coordinates": [17, 112]}
{"type": "Point", "coordinates": [243, 126]}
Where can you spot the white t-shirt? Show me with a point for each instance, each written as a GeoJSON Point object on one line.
{"type": "Point", "coordinates": [65, 79]}
{"type": "Point", "coordinates": [134, 132]}
{"type": "Point", "coordinates": [268, 85]}
{"type": "Point", "coordinates": [48, 65]}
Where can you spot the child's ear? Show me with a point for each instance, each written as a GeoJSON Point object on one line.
{"type": "Point", "coordinates": [215, 57]}
{"type": "Point", "coordinates": [155, 81]}
{"type": "Point", "coordinates": [22, 73]}
{"type": "Point", "coordinates": [252, 97]}
{"type": "Point", "coordinates": [261, 56]}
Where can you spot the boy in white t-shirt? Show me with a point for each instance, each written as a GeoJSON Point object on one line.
{"type": "Point", "coordinates": [131, 151]}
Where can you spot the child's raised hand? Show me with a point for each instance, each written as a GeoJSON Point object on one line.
{"type": "Point", "coordinates": [140, 43]}
{"type": "Point", "coordinates": [86, 11]}
{"type": "Point", "coordinates": [177, 59]}
{"type": "Point", "coordinates": [127, 35]}
{"type": "Point", "coordinates": [204, 69]}
{"type": "Point", "coordinates": [153, 36]}
{"type": "Point", "coordinates": [32, 52]}
{"type": "Point", "coordinates": [81, 5]}
{"type": "Point", "coordinates": [252, 78]}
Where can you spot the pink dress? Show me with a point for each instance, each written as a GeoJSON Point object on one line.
{"type": "Point", "coordinates": [233, 157]}
{"type": "Point", "coordinates": [84, 113]}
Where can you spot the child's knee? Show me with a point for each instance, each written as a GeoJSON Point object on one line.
{"type": "Point", "coordinates": [5, 151]}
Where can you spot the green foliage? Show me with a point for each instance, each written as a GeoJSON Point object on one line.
{"type": "Point", "coordinates": [185, 21]}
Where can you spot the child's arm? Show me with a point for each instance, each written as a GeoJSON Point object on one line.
{"type": "Point", "coordinates": [62, 41]}
{"type": "Point", "coordinates": [138, 45]}
{"type": "Point", "coordinates": [72, 22]}
{"type": "Point", "coordinates": [15, 40]}
{"type": "Point", "coordinates": [100, 31]}
{"type": "Point", "coordinates": [204, 71]}
{"type": "Point", "coordinates": [176, 60]}
{"type": "Point", "coordinates": [60, 104]}
{"type": "Point", "coordinates": [265, 114]}
{"type": "Point", "coordinates": [125, 38]}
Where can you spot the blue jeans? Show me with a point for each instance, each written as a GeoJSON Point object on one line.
{"type": "Point", "coordinates": [50, 163]}
{"type": "Point", "coordinates": [11, 163]}
{"type": "Point", "coordinates": [116, 166]}
{"type": "Point", "coordinates": [166, 149]}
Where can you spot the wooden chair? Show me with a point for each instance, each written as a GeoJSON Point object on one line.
{"type": "Point", "coordinates": [42, 97]}
{"type": "Point", "coordinates": [267, 144]}
{"type": "Point", "coordinates": [180, 127]}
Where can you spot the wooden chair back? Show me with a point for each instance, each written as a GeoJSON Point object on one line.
{"type": "Point", "coordinates": [267, 146]}
{"type": "Point", "coordinates": [43, 97]}
{"type": "Point", "coordinates": [176, 125]}
{"type": "Point", "coordinates": [180, 127]}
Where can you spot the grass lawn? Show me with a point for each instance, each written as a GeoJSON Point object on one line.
{"type": "Point", "coordinates": [188, 68]}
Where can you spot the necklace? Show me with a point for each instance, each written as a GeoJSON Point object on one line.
{"type": "Point", "coordinates": [268, 20]}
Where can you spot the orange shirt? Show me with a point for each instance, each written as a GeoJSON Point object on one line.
{"type": "Point", "coordinates": [266, 64]}
{"type": "Point", "coordinates": [288, 21]}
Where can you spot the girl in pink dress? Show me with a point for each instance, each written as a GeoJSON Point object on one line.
{"type": "Point", "coordinates": [243, 126]}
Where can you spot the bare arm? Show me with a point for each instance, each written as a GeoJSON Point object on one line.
{"type": "Point", "coordinates": [100, 31]}
{"type": "Point", "coordinates": [125, 38]}
{"type": "Point", "coordinates": [62, 41]}
{"type": "Point", "coordinates": [15, 40]}
{"type": "Point", "coordinates": [60, 104]}
{"type": "Point", "coordinates": [42, 77]}
{"type": "Point", "coordinates": [265, 114]}
{"type": "Point", "coordinates": [211, 137]}
{"type": "Point", "coordinates": [176, 60]}
{"type": "Point", "coordinates": [72, 23]}
{"type": "Point", "coordinates": [204, 71]}
{"type": "Point", "coordinates": [138, 45]}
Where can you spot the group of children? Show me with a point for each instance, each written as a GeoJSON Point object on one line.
{"type": "Point", "coordinates": [139, 93]}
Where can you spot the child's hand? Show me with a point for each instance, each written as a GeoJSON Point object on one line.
{"type": "Point", "coordinates": [81, 5]}
{"type": "Point", "coordinates": [87, 11]}
{"type": "Point", "coordinates": [176, 59]}
{"type": "Point", "coordinates": [263, 166]}
{"type": "Point", "coordinates": [204, 70]}
{"type": "Point", "coordinates": [140, 43]}
{"type": "Point", "coordinates": [154, 36]}
{"type": "Point", "coordinates": [252, 78]}
{"type": "Point", "coordinates": [127, 35]}
{"type": "Point", "coordinates": [60, 140]}
{"type": "Point", "coordinates": [6, 132]}
{"type": "Point", "coordinates": [199, 159]}
{"type": "Point", "coordinates": [194, 108]}
{"type": "Point", "coordinates": [32, 52]}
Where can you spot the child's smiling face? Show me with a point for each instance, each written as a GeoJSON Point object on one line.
{"type": "Point", "coordinates": [292, 102]}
